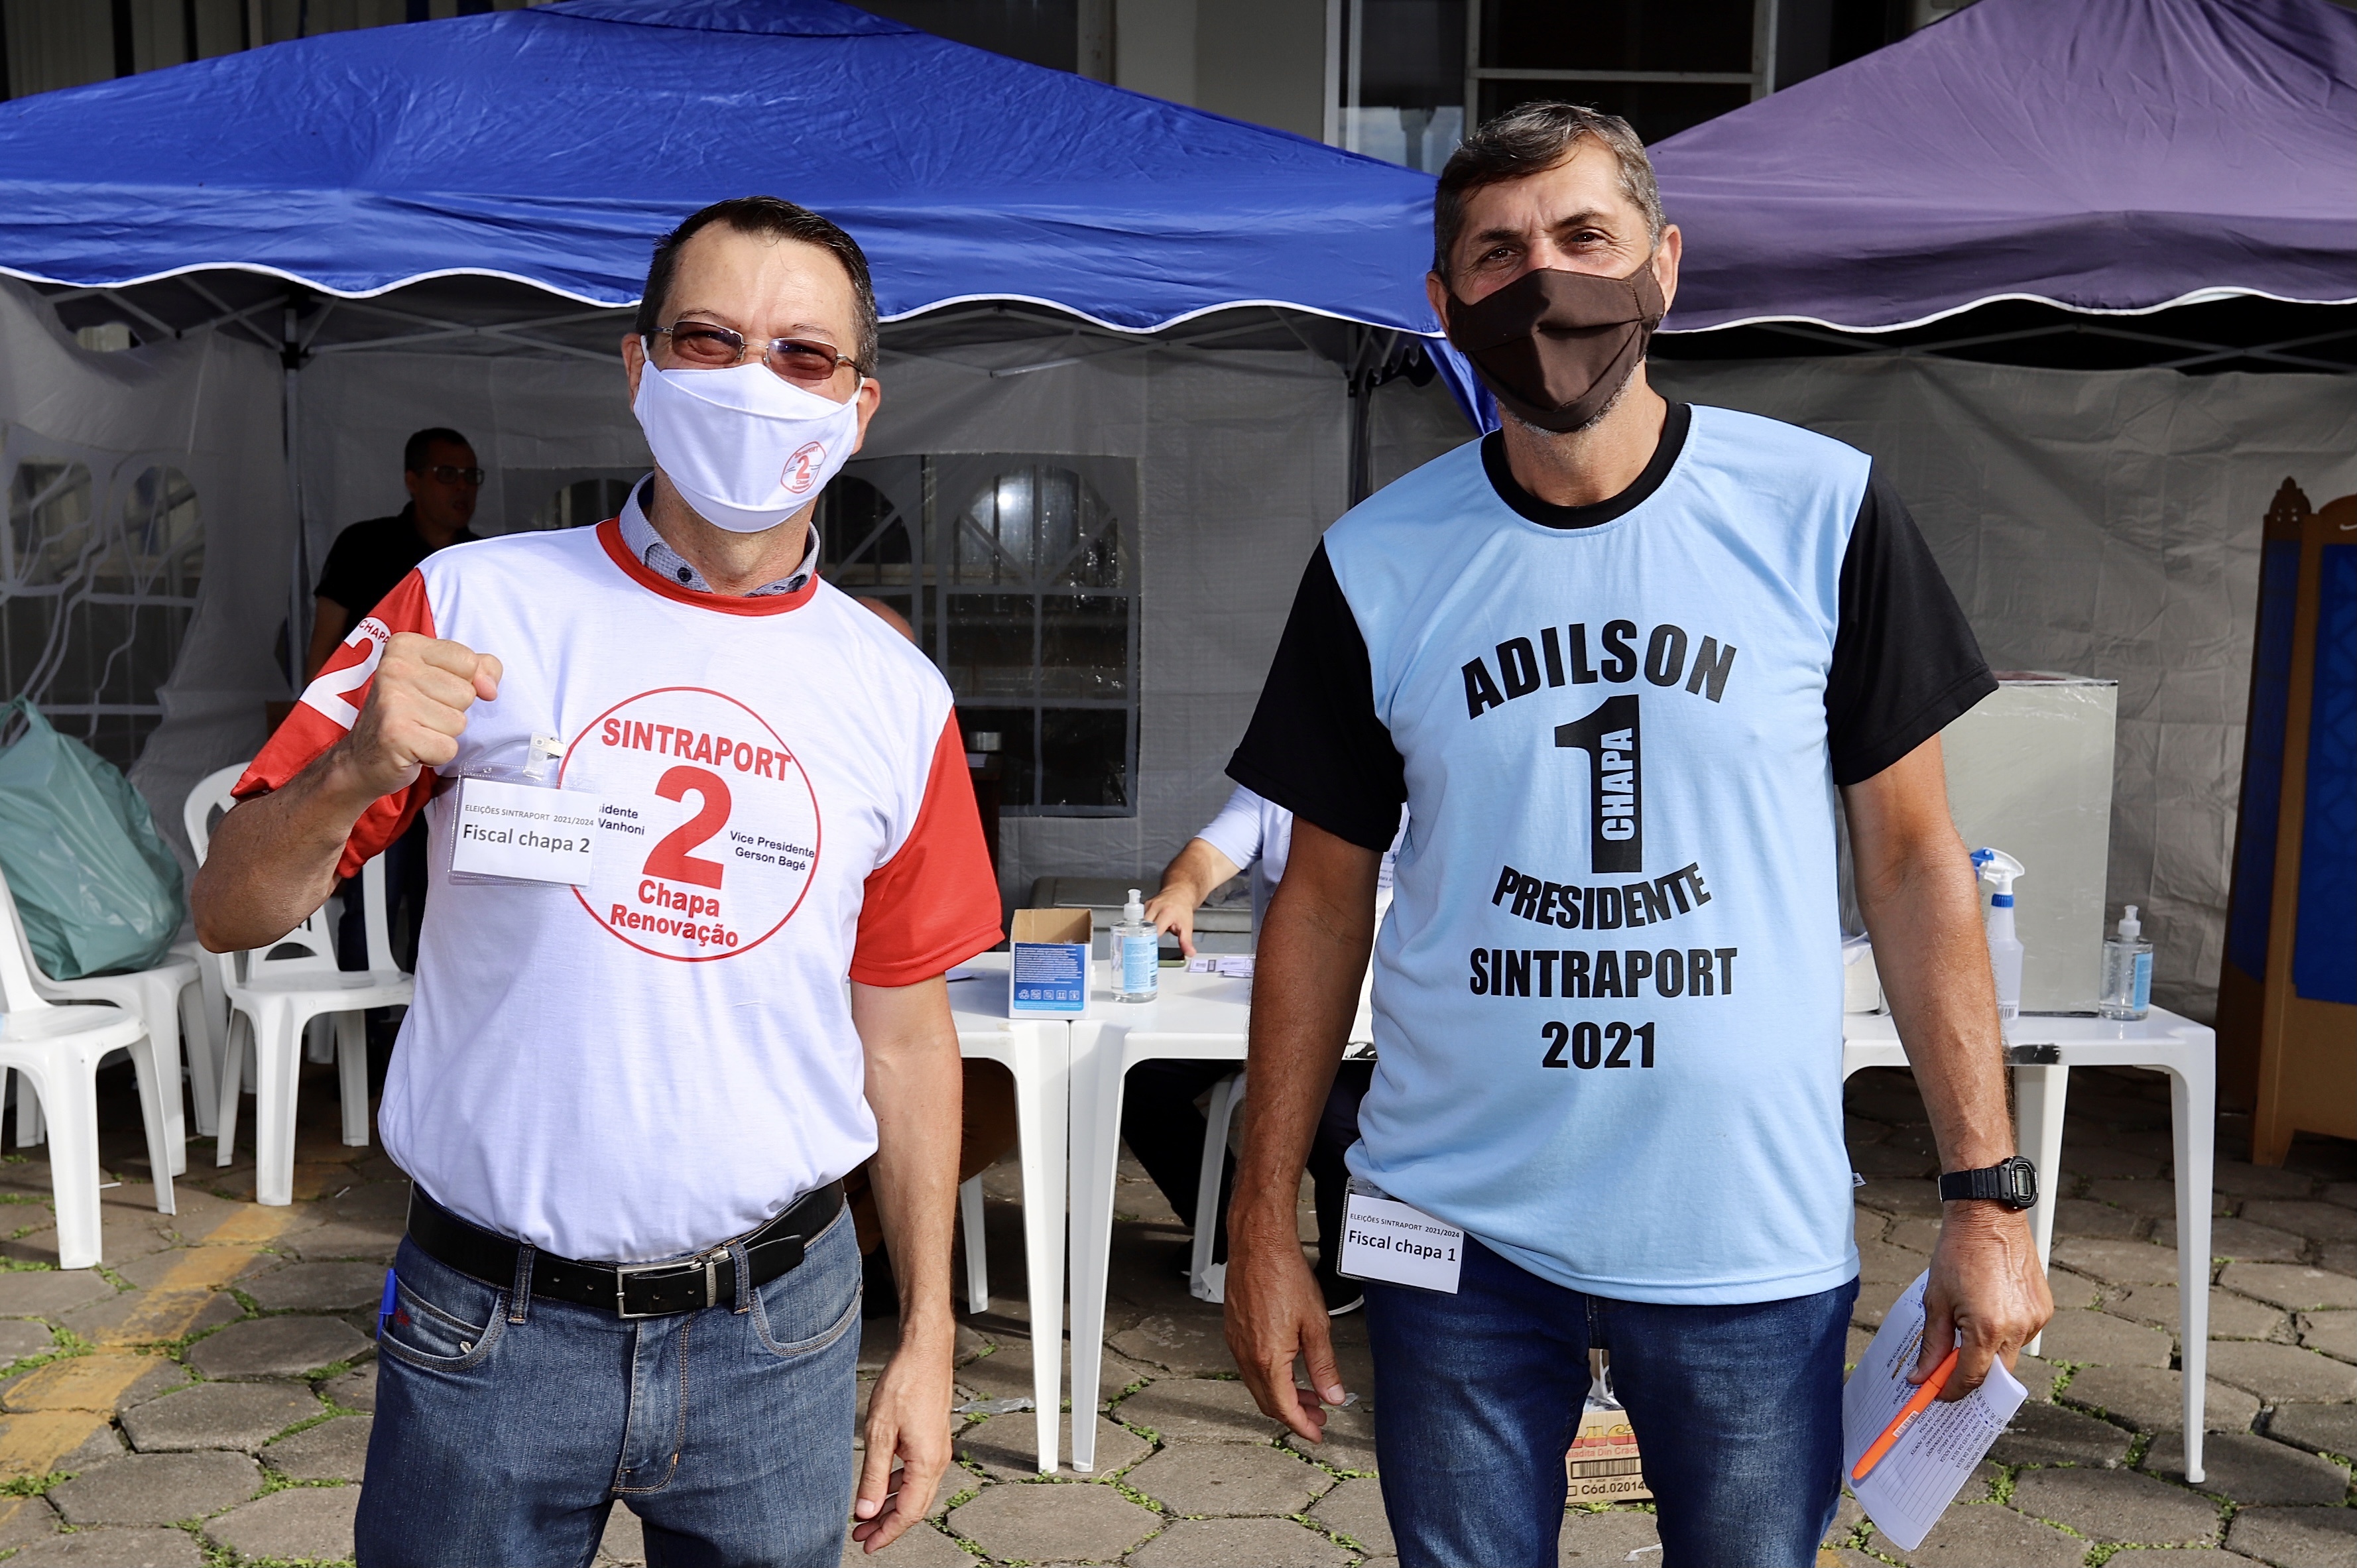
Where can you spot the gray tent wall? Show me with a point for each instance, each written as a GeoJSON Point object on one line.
{"type": "Point", "coordinates": [1236, 459]}
{"type": "Point", "coordinates": [206, 408]}
{"type": "Point", "coordinates": [2098, 523]}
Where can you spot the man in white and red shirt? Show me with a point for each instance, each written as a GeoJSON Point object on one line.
{"type": "Point", "coordinates": [634, 1075]}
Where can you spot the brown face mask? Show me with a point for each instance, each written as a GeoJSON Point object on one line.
{"type": "Point", "coordinates": [1555, 347]}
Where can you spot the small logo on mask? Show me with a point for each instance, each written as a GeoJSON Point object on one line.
{"type": "Point", "coordinates": [802, 468]}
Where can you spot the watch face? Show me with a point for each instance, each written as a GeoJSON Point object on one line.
{"type": "Point", "coordinates": [2020, 1179]}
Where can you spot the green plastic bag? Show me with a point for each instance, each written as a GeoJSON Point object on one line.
{"type": "Point", "coordinates": [96, 888]}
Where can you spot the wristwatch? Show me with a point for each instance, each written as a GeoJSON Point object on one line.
{"type": "Point", "coordinates": [2012, 1181]}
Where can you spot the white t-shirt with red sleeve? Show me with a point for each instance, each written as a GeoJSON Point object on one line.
{"type": "Point", "coordinates": [662, 1059]}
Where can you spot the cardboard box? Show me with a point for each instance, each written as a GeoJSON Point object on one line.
{"type": "Point", "coordinates": [1603, 1466]}
{"type": "Point", "coordinates": [1049, 971]}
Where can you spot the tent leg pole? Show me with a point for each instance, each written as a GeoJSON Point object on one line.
{"type": "Point", "coordinates": [298, 620]}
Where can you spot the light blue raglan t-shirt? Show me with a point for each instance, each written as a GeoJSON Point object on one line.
{"type": "Point", "coordinates": [1608, 994]}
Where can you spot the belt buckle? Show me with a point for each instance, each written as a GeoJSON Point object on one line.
{"type": "Point", "coordinates": [710, 1263]}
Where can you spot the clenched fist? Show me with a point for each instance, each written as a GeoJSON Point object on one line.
{"type": "Point", "coordinates": [417, 709]}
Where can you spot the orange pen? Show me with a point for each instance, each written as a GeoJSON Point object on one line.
{"type": "Point", "coordinates": [1915, 1406]}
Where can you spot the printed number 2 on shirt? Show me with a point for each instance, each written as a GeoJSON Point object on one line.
{"type": "Point", "coordinates": [1389, 1241]}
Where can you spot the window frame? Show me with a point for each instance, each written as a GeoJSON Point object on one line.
{"type": "Point", "coordinates": [924, 495]}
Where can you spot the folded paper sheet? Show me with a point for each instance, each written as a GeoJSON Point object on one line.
{"type": "Point", "coordinates": [1911, 1487]}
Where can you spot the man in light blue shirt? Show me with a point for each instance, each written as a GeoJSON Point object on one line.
{"type": "Point", "coordinates": [1623, 662]}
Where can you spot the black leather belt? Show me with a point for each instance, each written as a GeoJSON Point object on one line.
{"type": "Point", "coordinates": [626, 1290]}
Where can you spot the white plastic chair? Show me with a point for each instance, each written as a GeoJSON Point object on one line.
{"type": "Point", "coordinates": [57, 1050]}
{"type": "Point", "coordinates": [151, 996]}
{"type": "Point", "coordinates": [1208, 1280]}
{"type": "Point", "coordinates": [273, 992]}
{"type": "Point", "coordinates": [206, 1038]}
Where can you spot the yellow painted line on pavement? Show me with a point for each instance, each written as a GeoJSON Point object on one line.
{"type": "Point", "coordinates": [56, 1408]}
{"type": "Point", "coordinates": [249, 1227]}
{"type": "Point", "coordinates": [32, 1443]}
{"type": "Point", "coordinates": [171, 1306]}
{"type": "Point", "coordinates": [95, 1383]}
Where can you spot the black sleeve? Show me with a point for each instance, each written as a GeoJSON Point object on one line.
{"type": "Point", "coordinates": [350, 572]}
{"type": "Point", "coordinates": [1315, 746]}
{"type": "Point", "coordinates": [1905, 660]}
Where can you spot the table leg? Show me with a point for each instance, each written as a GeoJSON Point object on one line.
{"type": "Point", "coordinates": [2038, 1097]}
{"type": "Point", "coordinates": [2193, 1097]}
{"type": "Point", "coordinates": [1042, 1070]}
{"type": "Point", "coordinates": [977, 1252]}
{"type": "Point", "coordinates": [1096, 1077]}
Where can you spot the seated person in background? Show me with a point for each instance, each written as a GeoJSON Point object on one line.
{"type": "Point", "coordinates": [1159, 1120]}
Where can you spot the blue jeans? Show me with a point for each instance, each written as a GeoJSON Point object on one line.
{"type": "Point", "coordinates": [1737, 1412]}
{"type": "Point", "coordinates": [506, 1426]}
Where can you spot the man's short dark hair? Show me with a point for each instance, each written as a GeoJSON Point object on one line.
{"type": "Point", "coordinates": [414, 450]}
{"type": "Point", "coordinates": [778, 219]}
{"type": "Point", "coordinates": [1532, 140]}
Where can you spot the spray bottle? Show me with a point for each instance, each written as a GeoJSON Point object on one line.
{"type": "Point", "coordinates": [1999, 869]}
{"type": "Point", "coordinates": [1137, 957]}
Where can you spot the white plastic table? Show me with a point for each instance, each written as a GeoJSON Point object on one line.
{"type": "Point", "coordinates": [2043, 1051]}
{"type": "Point", "coordinates": [1201, 1017]}
{"type": "Point", "coordinates": [1206, 1017]}
{"type": "Point", "coordinates": [1038, 1053]}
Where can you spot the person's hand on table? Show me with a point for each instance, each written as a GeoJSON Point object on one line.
{"type": "Point", "coordinates": [1985, 1284]}
{"type": "Point", "coordinates": [907, 1442]}
{"type": "Point", "coordinates": [1172, 909]}
{"type": "Point", "coordinates": [1276, 1312]}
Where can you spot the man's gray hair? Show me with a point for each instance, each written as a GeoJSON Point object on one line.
{"type": "Point", "coordinates": [1531, 140]}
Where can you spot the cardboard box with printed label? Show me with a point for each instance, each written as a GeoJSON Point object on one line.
{"type": "Point", "coordinates": [1048, 973]}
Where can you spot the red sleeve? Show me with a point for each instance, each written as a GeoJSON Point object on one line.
{"type": "Point", "coordinates": [331, 705]}
{"type": "Point", "coordinates": [935, 903]}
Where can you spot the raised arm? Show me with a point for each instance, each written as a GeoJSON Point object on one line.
{"type": "Point", "coordinates": [274, 858]}
{"type": "Point", "coordinates": [1916, 890]}
{"type": "Point", "coordinates": [1314, 943]}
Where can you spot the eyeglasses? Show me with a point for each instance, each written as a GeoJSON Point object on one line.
{"type": "Point", "coordinates": [450, 476]}
{"type": "Point", "coordinates": [699, 344]}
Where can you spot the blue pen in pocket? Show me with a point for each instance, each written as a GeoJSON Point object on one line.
{"type": "Point", "coordinates": [391, 1303]}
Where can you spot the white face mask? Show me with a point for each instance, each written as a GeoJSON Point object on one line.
{"type": "Point", "coordinates": [744, 448]}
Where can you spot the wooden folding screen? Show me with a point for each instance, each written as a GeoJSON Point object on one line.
{"type": "Point", "coordinates": [2288, 995]}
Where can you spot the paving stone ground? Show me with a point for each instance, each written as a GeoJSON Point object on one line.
{"type": "Point", "coordinates": [222, 1354]}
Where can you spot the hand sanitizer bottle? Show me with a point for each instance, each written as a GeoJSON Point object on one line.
{"type": "Point", "coordinates": [2004, 948]}
{"type": "Point", "coordinates": [2127, 972]}
{"type": "Point", "coordinates": [1137, 957]}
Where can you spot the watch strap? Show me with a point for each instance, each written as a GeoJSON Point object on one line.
{"type": "Point", "coordinates": [1988, 1182]}
{"type": "Point", "coordinates": [2012, 1181]}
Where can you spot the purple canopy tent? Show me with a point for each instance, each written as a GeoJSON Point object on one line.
{"type": "Point", "coordinates": [2104, 156]}
{"type": "Point", "coordinates": [2113, 156]}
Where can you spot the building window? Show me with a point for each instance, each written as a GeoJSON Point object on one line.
{"type": "Point", "coordinates": [1406, 77]}
{"type": "Point", "coordinates": [94, 607]}
{"type": "Point", "coordinates": [1019, 577]}
{"type": "Point", "coordinates": [1398, 71]}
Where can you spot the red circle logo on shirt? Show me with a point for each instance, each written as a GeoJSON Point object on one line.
{"type": "Point", "coordinates": [708, 829]}
{"type": "Point", "coordinates": [802, 468]}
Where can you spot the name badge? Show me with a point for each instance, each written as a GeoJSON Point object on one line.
{"type": "Point", "coordinates": [523, 832]}
{"type": "Point", "coordinates": [1388, 1242]}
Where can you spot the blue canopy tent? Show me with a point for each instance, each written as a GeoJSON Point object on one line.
{"type": "Point", "coordinates": [442, 223]}
{"type": "Point", "coordinates": [552, 144]}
